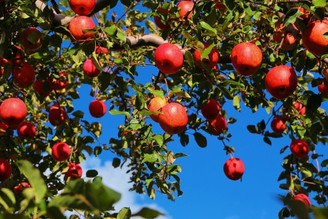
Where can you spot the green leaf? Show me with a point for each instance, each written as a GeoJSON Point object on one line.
{"type": "Point", "coordinates": [7, 199]}
{"type": "Point", "coordinates": [111, 30]}
{"type": "Point", "coordinates": [159, 139]}
{"type": "Point", "coordinates": [117, 112]}
{"type": "Point", "coordinates": [208, 27]}
{"type": "Point", "coordinates": [320, 213]}
{"type": "Point", "coordinates": [148, 213]}
{"type": "Point", "coordinates": [252, 129]}
{"type": "Point", "coordinates": [34, 177]}
{"type": "Point", "coordinates": [319, 3]}
{"type": "Point", "coordinates": [116, 162]}
{"type": "Point", "coordinates": [200, 139]}
{"type": "Point", "coordinates": [124, 213]}
{"type": "Point", "coordinates": [152, 158]}
{"type": "Point", "coordinates": [92, 173]}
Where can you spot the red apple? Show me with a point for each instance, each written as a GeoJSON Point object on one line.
{"type": "Point", "coordinates": [18, 55]}
{"type": "Point", "coordinates": [156, 104]}
{"type": "Point", "coordinates": [78, 25]}
{"type": "Point", "coordinates": [211, 61]}
{"type": "Point", "coordinates": [43, 88]}
{"type": "Point", "coordinates": [303, 198]}
{"type": "Point", "coordinates": [97, 108]}
{"type": "Point", "coordinates": [90, 68]}
{"type": "Point", "coordinates": [5, 169]}
{"type": "Point", "coordinates": [211, 109]}
{"type": "Point", "coordinates": [219, 5]}
{"type": "Point", "coordinates": [61, 82]}
{"type": "Point", "coordinates": [2, 71]}
{"type": "Point", "coordinates": [168, 58]}
{"type": "Point", "coordinates": [21, 186]}
{"type": "Point", "coordinates": [314, 38]}
{"type": "Point", "coordinates": [61, 151]}
{"type": "Point", "coordinates": [323, 88]}
{"type": "Point", "coordinates": [57, 115]}
{"type": "Point", "coordinates": [234, 168]}
{"type": "Point", "coordinates": [27, 130]}
{"type": "Point", "coordinates": [300, 108]}
{"type": "Point", "coordinates": [185, 7]}
{"type": "Point", "coordinates": [218, 125]}
{"type": "Point", "coordinates": [288, 38]}
{"type": "Point", "coordinates": [281, 81]}
{"type": "Point", "coordinates": [74, 171]}
{"type": "Point", "coordinates": [246, 58]}
{"type": "Point", "coordinates": [13, 111]}
{"type": "Point", "coordinates": [299, 148]}
{"type": "Point", "coordinates": [82, 7]}
{"type": "Point", "coordinates": [24, 75]}
{"type": "Point", "coordinates": [174, 118]}
{"type": "Point", "coordinates": [31, 39]}
{"type": "Point", "coordinates": [158, 20]}
{"type": "Point", "coordinates": [101, 49]}
{"type": "Point", "coordinates": [278, 124]}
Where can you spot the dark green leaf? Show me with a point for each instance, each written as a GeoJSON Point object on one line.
{"type": "Point", "coordinates": [148, 213]}
{"type": "Point", "coordinates": [200, 139]}
{"type": "Point", "coordinates": [92, 173]}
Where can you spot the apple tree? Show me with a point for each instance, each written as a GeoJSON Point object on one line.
{"type": "Point", "coordinates": [263, 54]}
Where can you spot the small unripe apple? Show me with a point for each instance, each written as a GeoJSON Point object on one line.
{"type": "Point", "coordinates": [185, 7]}
{"type": "Point", "coordinates": [278, 124]}
{"type": "Point", "coordinates": [234, 168]}
{"type": "Point", "coordinates": [27, 130]}
{"type": "Point", "coordinates": [82, 7]}
{"type": "Point", "coordinates": [13, 111]}
{"type": "Point", "coordinates": [24, 75]}
{"type": "Point", "coordinates": [43, 88]}
{"type": "Point", "coordinates": [304, 199]}
{"type": "Point", "coordinates": [61, 151]}
{"type": "Point", "coordinates": [168, 58]}
{"type": "Point", "coordinates": [299, 148]}
{"type": "Point", "coordinates": [90, 69]}
{"type": "Point", "coordinates": [74, 171]}
{"type": "Point", "coordinates": [211, 61]}
{"type": "Point", "coordinates": [97, 108]}
{"type": "Point", "coordinates": [21, 186]}
{"type": "Point", "coordinates": [57, 115]}
{"type": "Point", "coordinates": [174, 118]}
{"type": "Point", "coordinates": [218, 125]}
{"type": "Point", "coordinates": [5, 169]}
{"type": "Point", "coordinates": [314, 38]}
{"type": "Point", "coordinates": [61, 82]}
{"type": "Point", "coordinates": [31, 39]}
{"type": "Point", "coordinates": [246, 58]}
{"type": "Point", "coordinates": [156, 104]}
{"type": "Point", "coordinates": [78, 25]}
{"type": "Point", "coordinates": [211, 109]}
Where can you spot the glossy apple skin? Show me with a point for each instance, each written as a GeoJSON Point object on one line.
{"type": "Point", "coordinates": [61, 82]}
{"type": "Point", "coordinates": [43, 88]}
{"type": "Point", "coordinates": [57, 116]}
{"type": "Point", "coordinates": [31, 32]}
{"type": "Point", "coordinates": [24, 75]}
{"type": "Point", "coordinates": [278, 124]}
{"type": "Point", "coordinates": [304, 199]}
{"type": "Point", "coordinates": [158, 20]}
{"type": "Point", "coordinates": [218, 125]}
{"type": "Point", "coordinates": [26, 130]}
{"type": "Point", "coordinates": [246, 58]}
{"type": "Point", "coordinates": [168, 58]}
{"type": "Point", "coordinates": [211, 109]}
{"type": "Point", "coordinates": [21, 186]}
{"type": "Point", "coordinates": [61, 151]}
{"type": "Point", "coordinates": [299, 148]}
{"type": "Point", "coordinates": [234, 168]}
{"type": "Point", "coordinates": [211, 61]}
{"type": "Point", "coordinates": [5, 169]}
{"type": "Point", "coordinates": [90, 69]}
{"type": "Point", "coordinates": [174, 118]}
{"type": "Point", "coordinates": [13, 112]}
{"type": "Point", "coordinates": [97, 108]}
{"type": "Point", "coordinates": [82, 7]}
{"type": "Point", "coordinates": [80, 23]}
{"type": "Point", "coordinates": [185, 7]}
{"type": "Point", "coordinates": [74, 171]}
{"type": "Point", "coordinates": [281, 81]}
{"type": "Point", "coordinates": [156, 104]}
{"type": "Point", "coordinates": [313, 38]}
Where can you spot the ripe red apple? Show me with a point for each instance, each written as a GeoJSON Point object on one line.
{"type": "Point", "coordinates": [299, 148]}
{"type": "Point", "coordinates": [21, 186]}
{"type": "Point", "coordinates": [288, 38]}
{"type": "Point", "coordinates": [156, 104]}
{"type": "Point", "coordinates": [27, 130]}
{"type": "Point", "coordinates": [43, 88]}
{"type": "Point", "coordinates": [82, 7]}
{"type": "Point", "coordinates": [174, 118]}
{"type": "Point", "coordinates": [90, 68]}
{"type": "Point", "coordinates": [281, 81]}
{"type": "Point", "coordinates": [5, 169]}
{"type": "Point", "coordinates": [300, 108]}
{"type": "Point", "coordinates": [61, 151]}
{"type": "Point", "coordinates": [61, 82]}
{"type": "Point", "coordinates": [13, 111]}
{"type": "Point", "coordinates": [246, 58]}
{"type": "Point", "coordinates": [303, 198]}
{"type": "Point", "coordinates": [74, 171]}
{"type": "Point", "coordinates": [234, 168]}
{"type": "Point", "coordinates": [158, 20]}
{"type": "Point", "coordinates": [101, 49]}
{"type": "Point", "coordinates": [211, 61]}
{"type": "Point", "coordinates": [323, 88]}
{"type": "Point", "coordinates": [211, 109]}
{"type": "Point", "coordinates": [185, 7]}
{"type": "Point", "coordinates": [18, 55]}
{"type": "Point", "coordinates": [278, 124]}
{"type": "Point", "coordinates": [57, 115]}
{"type": "Point", "coordinates": [24, 75]}
{"type": "Point", "coordinates": [31, 39]}
{"type": "Point", "coordinates": [80, 23]}
{"type": "Point", "coordinates": [97, 108]}
{"type": "Point", "coordinates": [219, 5]}
{"type": "Point", "coordinates": [314, 38]}
{"type": "Point", "coordinates": [168, 58]}
{"type": "Point", "coordinates": [218, 125]}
